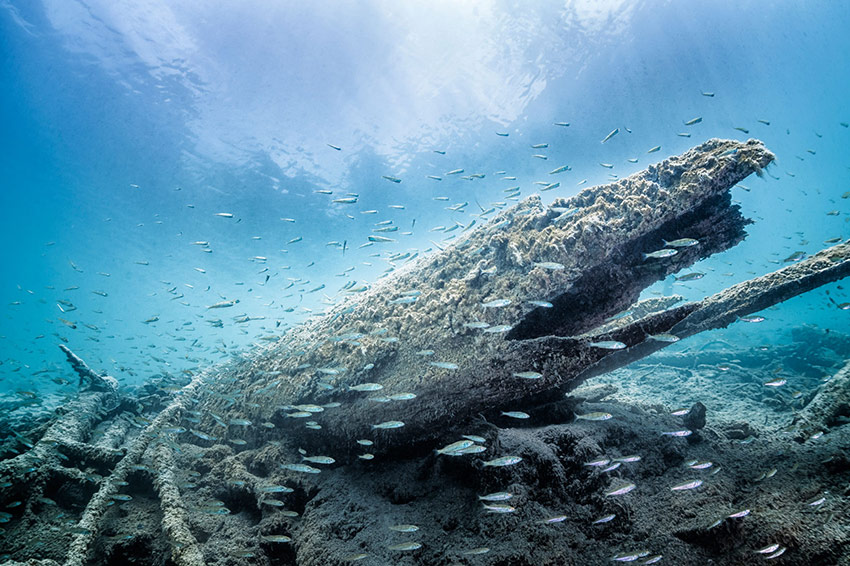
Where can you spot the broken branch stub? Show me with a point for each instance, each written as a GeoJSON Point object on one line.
{"type": "Point", "coordinates": [419, 331]}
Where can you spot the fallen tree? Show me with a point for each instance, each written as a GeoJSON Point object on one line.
{"type": "Point", "coordinates": [531, 291]}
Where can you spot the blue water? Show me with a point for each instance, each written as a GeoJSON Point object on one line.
{"type": "Point", "coordinates": [125, 130]}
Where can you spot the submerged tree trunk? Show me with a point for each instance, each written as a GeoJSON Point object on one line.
{"type": "Point", "coordinates": [507, 316]}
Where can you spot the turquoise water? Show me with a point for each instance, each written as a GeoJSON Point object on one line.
{"type": "Point", "coordinates": [126, 131]}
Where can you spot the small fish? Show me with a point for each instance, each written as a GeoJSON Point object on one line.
{"type": "Point", "coordinates": [595, 416]}
{"type": "Point", "coordinates": [478, 325]}
{"type": "Point", "coordinates": [694, 276]}
{"type": "Point", "coordinates": [388, 425]}
{"type": "Point", "coordinates": [550, 265]}
{"type": "Point", "coordinates": [607, 165]}
{"type": "Point", "coordinates": [497, 496]}
{"type": "Point", "coordinates": [366, 387]}
{"type": "Point", "coordinates": [391, 179]}
{"type": "Point", "coordinates": [796, 256]}
{"type": "Point", "coordinates": [628, 459]}
{"type": "Point", "coordinates": [503, 134]}
{"type": "Point", "coordinates": [543, 304]}
{"type": "Point", "coordinates": [816, 502]}
{"type": "Point", "coordinates": [354, 557]}
{"type": "Point", "coordinates": [738, 514]}
{"type": "Point", "coordinates": [528, 375]}
{"type": "Point", "coordinates": [278, 538]}
{"type": "Point", "coordinates": [664, 337]}
{"type": "Point", "coordinates": [608, 345]}
{"type": "Point", "coordinates": [454, 172]}
{"type": "Point", "coordinates": [410, 545]}
{"type": "Point", "coordinates": [678, 433]}
{"type": "Point", "coordinates": [681, 243]}
{"type": "Point", "coordinates": [709, 94]}
{"type": "Point", "coordinates": [630, 556]}
{"type": "Point", "coordinates": [539, 156]}
{"type": "Point", "coordinates": [345, 200]}
{"type": "Point", "coordinates": [516, 414]}
{"type": "Point", "coordinates": [752, 318]}
{"type": "Point", "coordinates": [327, 460]}
{"type": "Point", "coordinates": [767, 549]}
{"type": "Point", "coordinates": [240, 422]}
{"type": "Point", "coordinates": [563, 124]}
{"type": "Point", "coordinates": [202, 435]}
{"type": "Point", "coordinates": [455, 447]}
{"type": "Point", "coordinates": [499, 508]}
{"type": "Point", "coordinates": [402, 396]}
{"type": "Point", "coordinates": [498, 329]}
{"type": "Point", "coordinates": [654, 149]}
{"type": "Point", "coordinates": [613, 133]}
{"type": "Point", "coordinates": [444, 365]}
{"type": "Point", "coordinates": [404, 528]}
{"type": "Point", "coordinates": [121, 497]}
{"type": "Point", "coordinates": [224, 214]}
{"type": "Point", "coordinates": [621, 490]}
{"type": "Point", "coordinates": [275, 489]}
{"type": "Point", "coordinates": [560, 169]}
{"type": "Point", "coordinates": [477, 551]}
{"type": "Point", "coordinates": [687, 485]}
{"type": "Point", "coordinates": [366, 456]}
{"type": "Point", "coordinates": [555, 519]}
{"type": "Point", "coordinates": [745, 130]}
{"type": "Point", "coordinates": [304, 468]}
{"type": "Point", "coordinates": [504, 461]}
{"type": "Point", "coordinates": [693, 121]}
{"type": "Point", "coordinates": [658, 254]}
{"type": "Point", "coordinates": [605, 519]}
{"type": "Point", "coordinates": [540, 146]}
{"type": "Point", "coordinates": [778, 382]}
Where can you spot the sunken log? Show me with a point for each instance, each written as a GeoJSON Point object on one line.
{"type": "Point", "coordinates": [537, 275]}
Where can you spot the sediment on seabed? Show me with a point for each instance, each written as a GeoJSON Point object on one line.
{"type": "Point", "coordinates": [196, 478]}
